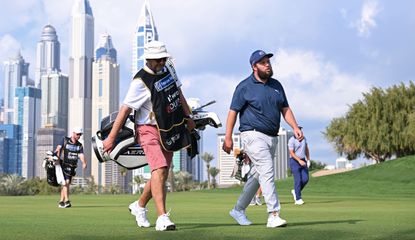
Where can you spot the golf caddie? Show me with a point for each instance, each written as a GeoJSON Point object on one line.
{"type": "Point", "coordinates": [163, 126]}
{"type": "Point", "coordinates": [69, 151]}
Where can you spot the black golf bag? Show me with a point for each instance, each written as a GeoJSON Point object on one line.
{"type": "Point", "coordinates": [54, 174]}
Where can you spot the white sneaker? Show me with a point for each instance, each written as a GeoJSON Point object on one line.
{"type": "Point", "coordinates": [299, 202]}
{"type": "Point", "coordinates": [252, 203]}
{"type": "Point", "coordinates": [163, 223]}
{"type": "Point", "coordinates": [293, 193]}
{"type": "Point", "coordinates": [140, 214]}
{"type": "Point", "coordinates": [275, 221]}
{"type": "Point", "coordinates": [258, 201]}
{"type": "Point", "coordinates": [240, 217]}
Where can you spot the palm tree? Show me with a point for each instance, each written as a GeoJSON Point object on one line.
{"type": "Point", "coordinates": [170, 178]}
{"type": "Point", "coordinates": [123, 172]}
{"type": "Point", "coordinates": [138, 180]}
{"type": "Point", "coordinates": [184, 180]}
{"type": "Point", "coordinates": [207, 157]}
{"type": "Point", "coordinates": [214, 172]}
{"type": "Point", "coordinates": [11, 184]}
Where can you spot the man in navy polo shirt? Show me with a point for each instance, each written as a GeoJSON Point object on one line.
{"type": "Point", "coordinates": [260, 100]}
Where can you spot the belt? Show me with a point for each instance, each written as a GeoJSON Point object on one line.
{"type": "Point", "coordinates": [253, 129]}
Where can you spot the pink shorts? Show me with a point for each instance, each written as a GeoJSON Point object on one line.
{"type": "Point", "coordinates": [149, 139]}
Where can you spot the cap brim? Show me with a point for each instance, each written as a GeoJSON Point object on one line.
{"type": "Point", "coordinates": [269, 55]}
{"type": "Point", "coordinates": [156, 56]}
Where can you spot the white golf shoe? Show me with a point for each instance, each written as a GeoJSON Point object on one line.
{"type": "Point", "coordinates": [275, 221]}
{"type": "Point", "coordinates": [240, 217]}
{"type": "Point", "coordinates": [140, 214]}
{"type": "Point", "coordinates": [299, 202]}
{"type": "Point", "coordinates": [293, 193]}
{"type": "Point", "coordinates": [163, 223]}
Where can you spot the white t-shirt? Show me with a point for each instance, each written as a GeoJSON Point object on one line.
{"type": "Point", "coordinates": [138, 98]}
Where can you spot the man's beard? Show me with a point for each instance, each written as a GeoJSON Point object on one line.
{"type": "Point", "coordinates": [264, 75]}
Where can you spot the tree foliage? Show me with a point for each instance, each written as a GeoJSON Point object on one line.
{"type": "Point", "coordinates": [207, 157]}
{"type": "Point", "coordinates": [379, 126]}
{"type": "Point", "coordinates": [214, 172]}
{"type": "Point", "coordinates": [183, 181]}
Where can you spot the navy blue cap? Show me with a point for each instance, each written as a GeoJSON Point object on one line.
{"type": "Point", "coordinates": [258, 55]}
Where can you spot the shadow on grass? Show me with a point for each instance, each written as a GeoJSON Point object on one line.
{"type": "Point", "coordinates": [311, 202]}
{"type": "Point", "coordinates": [97, 206]}
{"type": "Point", "coordinates": [351, 221]}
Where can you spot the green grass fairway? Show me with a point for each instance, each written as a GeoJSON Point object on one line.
{"type": "Point", "coordinates": [377, 202]}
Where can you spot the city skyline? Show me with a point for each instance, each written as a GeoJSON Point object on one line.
{"type": "Point", "coordinates": [337, 50]}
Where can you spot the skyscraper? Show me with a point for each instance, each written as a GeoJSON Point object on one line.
{"type": "Point", "coordinates": [16, 74]}
{"type": "Point", "coordinates": [47, 54]}
{"type": "Point", "coordinates": [80, 75]}
{"type": "Point", "coordinates": [54, 111]}
{"type": "Point", "coordinates": [105, 100]}
{"type": "Point", "coordinates": [10, 149]}
{"type": "Point", "coordinates": [27, 116]}
{"type": "Point", "coordinates": [145, 32]}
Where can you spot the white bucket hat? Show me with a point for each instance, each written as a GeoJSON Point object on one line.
{"type": "Point", "coordinates": [78, 130]}
{"type": "Point", "coordinates": [155, 50]}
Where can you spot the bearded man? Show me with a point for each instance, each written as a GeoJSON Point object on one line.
{"type": "Point", "coordinates": [260, 100]}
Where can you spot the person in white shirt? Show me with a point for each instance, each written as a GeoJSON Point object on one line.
{"type": "Point", "coordinates": [158, 102]}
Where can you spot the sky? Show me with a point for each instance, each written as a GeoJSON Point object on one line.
{"type": "Point", "coordinates": [326, 53]}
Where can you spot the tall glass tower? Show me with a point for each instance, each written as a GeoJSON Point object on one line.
{"type": "Point", "coordinates": [27, 116]}
{"type": "Point", "coordinates": [145, 32]}
{"type": "Point", "coordinates": [105, 100]}
{"type": "Point", "coordinates": [80, 75]}
{"type": "Point", "coordinates": [53, 83]}
{"type": "Point", "coordinates": [47, 54]}
{"type": "Point", "coordinates": [16, 74]}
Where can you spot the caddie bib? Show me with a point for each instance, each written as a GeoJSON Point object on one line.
{"type": "Point", "coordinates": [167, 110]}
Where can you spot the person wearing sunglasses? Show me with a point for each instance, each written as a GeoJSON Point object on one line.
{"type": "Point", "coordinates": [69, 151]}
{"type": "Point", "coordinates": [163, 121]}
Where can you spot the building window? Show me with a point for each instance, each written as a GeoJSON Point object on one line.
{"type": "Point", "coordinates": [140, 64]}
{"type": "Point", "coordinates": [100, 87]}
{"type": "Point", "coordinates": [140, 41]}
{"type": "Point", "coordinates": [140, 52]}
{"type": "Point", "coordinates": [99, 116]}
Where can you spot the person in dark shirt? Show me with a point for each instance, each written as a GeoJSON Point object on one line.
{"type": "Point", "coordinates": [259, 100]}
{"type": "Point", "coordinates": [69, 151]}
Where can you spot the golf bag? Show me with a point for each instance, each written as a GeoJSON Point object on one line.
{"type": "Point", "coordinates": [242, 165]}
{"type": "Point", "coordinates": [129, 154]}
{"type": "Point", "coordinates": [54, 174]}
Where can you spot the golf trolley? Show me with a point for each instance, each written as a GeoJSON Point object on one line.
{"type": "Point", "coordinates": [127, 153]}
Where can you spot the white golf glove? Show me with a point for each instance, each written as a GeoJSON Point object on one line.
{"type": "Point", "coordinates": [308, 163]}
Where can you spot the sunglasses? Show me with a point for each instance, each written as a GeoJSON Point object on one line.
{"type": "Point", "coordinates": [160, 60]}
{"type": "Point", "coordinates": [79, 134]}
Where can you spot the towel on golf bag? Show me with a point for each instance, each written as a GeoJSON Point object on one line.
{"type": "Point", "coordinates": [54, 174]}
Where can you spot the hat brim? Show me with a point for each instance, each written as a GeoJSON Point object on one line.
{"type": "Point", "coordinates": [269, 55]}
{"type": "Point", "coordinates": [156, 56]}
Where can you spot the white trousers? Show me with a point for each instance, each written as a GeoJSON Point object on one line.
{"type": "Point", "coordinates": [261, 150]}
